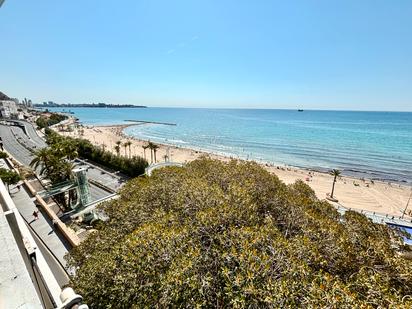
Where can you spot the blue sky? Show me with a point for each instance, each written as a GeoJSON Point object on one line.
{"type": "Point", "coordinates": [354, 55]}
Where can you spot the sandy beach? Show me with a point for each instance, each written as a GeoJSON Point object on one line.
{"type": "Point", "coordinates": [377, 196]}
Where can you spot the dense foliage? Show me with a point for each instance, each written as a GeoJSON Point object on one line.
{"type": "Point", "coordinates": [132, 166]}
{"type": "Point", "coordinates": [55, 162]}
{"type": "Point", "coordinates": [9, 177]}
{"type": "Point", "coordinates": [217, 234]}
{"type": "Point", "coordinates": [3, 155]}
{"type": "Point", "coordinates": [44, 122]}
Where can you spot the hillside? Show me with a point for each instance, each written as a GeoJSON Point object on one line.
{"type": "Point", "coordinates": [3, 96]}
{"type": "Point", "coordinates": [217, 234]}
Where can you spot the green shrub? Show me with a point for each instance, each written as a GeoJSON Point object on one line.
{"type": "Point", "coordinates": [9, 177]}
{"type": "Point", "coordinates": [134, 166]}
{"type": "Point", "coordinates": [44, 122]}
{"type": "Point", "coordinates": [3, 155]}
{"type": "Point", "coordinates": [217, 234]}
{"type": "Point", "coordinates": [41, 122]}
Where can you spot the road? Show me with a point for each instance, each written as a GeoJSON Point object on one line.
{"type": "Point", "coordinates": [16, 149]}
{"type": "Point", "coordinates": [32, 134]}
{"type": "Point", "coordinates": [112, 181]}
{"type": "Point", "coordinates": [20, 145]}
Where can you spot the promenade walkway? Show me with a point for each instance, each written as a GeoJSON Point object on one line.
{"type": "Point", "coordinates": [50, 238]}
{"type": "Point", "coordinates": [16, 288]}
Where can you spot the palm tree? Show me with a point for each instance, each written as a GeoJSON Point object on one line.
{"type": "Point", "coordinates": [335, 173]}
{"type": "Point", "coordinates": [150, 145]}
{"type": "Point", "coordinates": [155, 147]}
{"type": "Point", "coordinates": [129, 143]}
{"type": "Point", "coordinates": [66, 168]}
{"type": "Point", "coordinates": [144, 150]}
{"type": "Point", "coordinates": [130, 148]}
{"type": "Point", "coordinates": [125, 149]}
{"type": "Point", "coordinates": [42, 158]}
{"type": "Point", "coordinates": [67, 150]}
{"type": "Point", "coordinates": [117, 147]}
{"type": "Point", "coordinates": [66, 173]}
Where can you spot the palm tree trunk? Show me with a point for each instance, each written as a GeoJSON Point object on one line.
{"type": "Point", "coordinates": [333, 186]}
{"type": "Point", "coordinates": [151, 156]}
{"type": "Point", "coordinates": [154, 155]}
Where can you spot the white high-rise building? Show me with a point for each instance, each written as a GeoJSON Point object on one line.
{"type": "Point", "coordinates": [8, 109]}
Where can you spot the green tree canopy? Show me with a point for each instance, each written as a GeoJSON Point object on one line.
{"type": "Point", "coordinates": [3, 155]}
{"type": "Point", "coordinates": [9, 177]}
{"type": "Point", "coordinates": [54, 161]}
{"type": "Point", "coordinates": [217, 234]}
{"type": "Point", "coordinates": [71, 148]}
{"type": "Point", "coordinates": [54, 118]}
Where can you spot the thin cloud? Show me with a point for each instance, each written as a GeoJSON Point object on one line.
{"type": "Point", "coordinates": [181, 45]}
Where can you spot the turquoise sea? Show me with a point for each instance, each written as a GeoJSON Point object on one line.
{"type": "Point", "coordinates": [376, 145]}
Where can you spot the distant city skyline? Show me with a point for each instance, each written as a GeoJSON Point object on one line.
{"type": "Point", "coordinates": [351, 55]}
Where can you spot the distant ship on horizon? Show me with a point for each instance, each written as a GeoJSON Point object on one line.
{"type": "Point", "coordinates": [300, 110]}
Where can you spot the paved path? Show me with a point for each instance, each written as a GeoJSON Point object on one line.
{"type": "Point", "coordinates": [105, 178]}
{"type": "Point", "coordinates": [43, 228]}
{"type": "Point", "coordinates": [16, 288]}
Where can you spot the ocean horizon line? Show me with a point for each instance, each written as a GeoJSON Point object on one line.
{"type": "Point", "coordinates": [248, 108]}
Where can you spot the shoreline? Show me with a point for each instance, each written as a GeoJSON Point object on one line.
{"type": "Point", "coordinates": [353, 192]}
{"type": "Point", "coordinates": [363, 175]}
